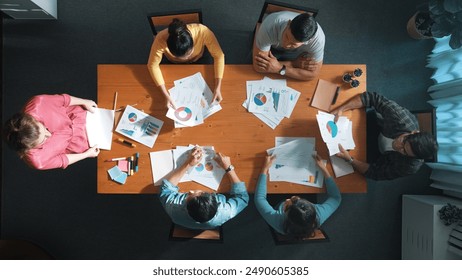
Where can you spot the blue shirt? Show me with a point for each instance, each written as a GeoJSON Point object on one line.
{"type": "Point", "coordinates": [174, 204]}
{"type": "Point", "coordinates": [275, 217]}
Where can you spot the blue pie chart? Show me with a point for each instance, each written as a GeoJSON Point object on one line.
{"type": "Point", "coordinates": [132, 117]}
{"type": "Point", "coordinates": [332, 128]}
{"type": "Point", "coordinates": [199, 167]}
{"type": "Point", "coordinates": [259, 99]}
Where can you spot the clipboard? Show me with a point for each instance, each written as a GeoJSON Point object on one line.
{"type": "Point", "coordinates": [325, 95]}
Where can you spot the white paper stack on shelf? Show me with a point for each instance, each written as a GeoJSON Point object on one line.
{"type": "Point", "coordinates": [334, 133]}
{"type": "Point", "coordinates": [194, 101]}
{"type": "Point", "coordinates": [270, 100]}
{"type": "Point", "coordinates": [207, 172]}
{"type": "Point", "coordinates": [294, 162]}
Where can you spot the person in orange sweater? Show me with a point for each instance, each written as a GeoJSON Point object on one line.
{"type": "Point", "coordinates": [184, 43]}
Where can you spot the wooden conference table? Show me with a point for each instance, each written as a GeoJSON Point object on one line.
{"type": "Point", "coordinates": [233, 131]}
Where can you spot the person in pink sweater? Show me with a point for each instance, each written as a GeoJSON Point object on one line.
{"type": "Point", "coordinates": [50, 131]}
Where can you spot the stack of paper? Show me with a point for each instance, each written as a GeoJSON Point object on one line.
{"type": "Point", "coordinates": [207, 172]}
{"type": "Point", "coordinates": [194, 101]}
{"type": "Point", "coordinates": [334, 133]}
{"type": "Point", "coordinates": [99, 125]}
{"type": "Point", "coordinates": [294, 162]}
{"type": "Point", "coordinates": [270, 100]}
{"type": "Point", "coordinates": [117, 175]}
{"type": "Point", "coordinates": [139, 126]}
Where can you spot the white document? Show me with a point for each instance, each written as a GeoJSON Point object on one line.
{"type": "Point", "coordinates": [197, 82]}
{"type": "Point", "coordinates": [268, 100]}
{"type": "Point", "coordinates": [161, 165]}
{"type": "Point", "coordinates": [293, 98]}
{"type": "Point", "coordinates": [309, 175]}
{"type": "Point", "coordinates": [188, 110]}
{"type": "Point", "coordinates": [296, 153]}
{"type": "Point", "coordinates": [335, 133]}
{"type": "Point", "coordinates": [295, 175]}
{"type": "Point", "coordinates": [139, 126]}
{"type": "Point", "coordinates": [208, 172]}
{"type": "Point", "coordinates": [340, 166]}
{"type": "Point", "coordinates": [99, 126]}
{"type": "Point", "coordinates": [180, 156]}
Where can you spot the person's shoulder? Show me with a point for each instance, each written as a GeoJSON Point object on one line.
{"type": "Point", "coordinates": [197, 27]}
{"type": "Point", "coordinates": [286, 15]}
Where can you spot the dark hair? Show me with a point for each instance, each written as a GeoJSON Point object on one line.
{"type": "Point", "coordinates": [423, 144]}
{"type": "Point", "coordinates": [300, 220]}
{"type": "Point", "coordinates": [179, 40]}
{"type": "Point", "coordinates": [203, 207]}
{"type": "Point", "coordinates": [303, 27]}
{"type": "Point", "coordinates": [21, 132]}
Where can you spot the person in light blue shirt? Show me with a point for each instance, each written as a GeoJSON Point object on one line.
{"type": "Point", "coordinates": [296, 216]}
{"type": "Point", "coordinates": [198, 209]}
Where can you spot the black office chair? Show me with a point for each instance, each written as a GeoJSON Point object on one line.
{"type": "Point", "coordinates": [427, 123]}
{"type": "Point", "coordinates": [160, 21]}
{"type": "Point", "coordinates": [274, 6]}
{"type": "Point", "coordinates": [179, 233]}
{"type": "Point", "coordinates": [279, 239]}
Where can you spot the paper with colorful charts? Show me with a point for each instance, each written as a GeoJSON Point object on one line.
{"type": "Point", "coordinates": [139, 126]}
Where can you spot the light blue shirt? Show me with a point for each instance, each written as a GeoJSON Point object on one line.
{"type": "Point", "coordinates": [174, 204]}
{"type": "Point", "coordinates": [275, 217]}
{"type": "Point", "coordinates": [270, 35]}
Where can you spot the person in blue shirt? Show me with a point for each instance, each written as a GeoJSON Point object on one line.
{"type": "Point", "coordinates": [296, 216]}
{"type": "Point", "coordinates": [198, 209]}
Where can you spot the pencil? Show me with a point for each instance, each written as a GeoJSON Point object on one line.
{"type": "Point", "coordinates": [116, 159]}
{"type": "Point", "coordinates": [115, 99]}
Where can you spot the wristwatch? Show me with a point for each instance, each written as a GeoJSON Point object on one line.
{"type": "Point", "coordinates": [230, 167]}
{"type": "Point", "coordinates": [282, 72]}
{"type": "Point", "coordinates": [350, 161]}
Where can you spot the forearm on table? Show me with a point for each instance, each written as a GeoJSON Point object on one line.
{"type": "Point", "coordinates": [354, 103]}
{"type": "Point", "coordinates": [233, 178]}
{"type": "Point", "coordinates": [300, 73]}
{"type": "Point", "coordinates": [175, 176]}
{"type": "Point", "coordinates": [164, 91]}
{"type": "Point", "coordinates": [360, 166]}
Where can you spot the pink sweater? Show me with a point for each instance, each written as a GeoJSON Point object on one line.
{"type": "Point", "coordinates": [66, 125]}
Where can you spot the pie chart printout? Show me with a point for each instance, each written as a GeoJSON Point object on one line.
{"type": "Point", "coordinates": [332, 128]}
{"type": "Point", "coordinates": [260, 99]}
{"type": "Point", "coordinates": [183, 114]}
{"type": "Point", "coordinates": [209, 166]}
{"type": "Point", "coordinates": [199, 167]}
{"type": "Point", "coordinates": [132, 117]}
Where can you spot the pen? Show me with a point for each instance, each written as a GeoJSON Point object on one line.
{"type": "Point", "coordinates": [335, 96]}
{"type": "Point", "coordinates": [136, 161]}
{"type": "Point", "coordinates": [126, 142]}
{"type": "Point", "coordinates": [132, 169]}
{"type": "Point", "coordinates": [115, 159]}
{"type": "Point", "coordinates": [129, 167]}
